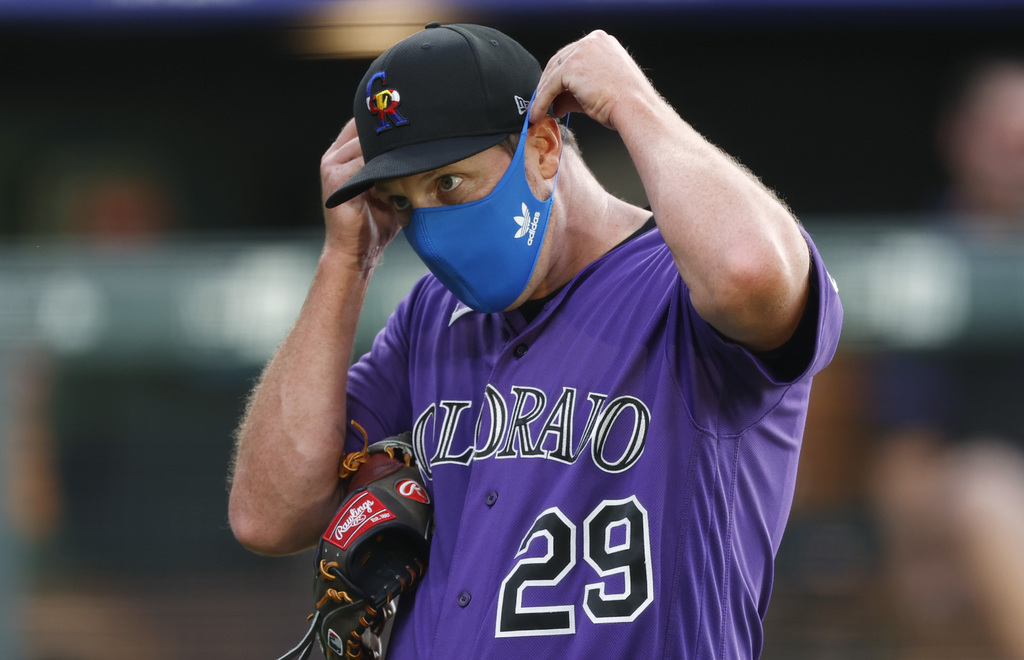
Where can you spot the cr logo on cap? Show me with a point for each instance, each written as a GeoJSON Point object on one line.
{"type": "Point", "coordinates": [384, 104]}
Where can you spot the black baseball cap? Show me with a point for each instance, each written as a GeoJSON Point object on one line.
{"type": "Point", "coordinates": [444, 94]}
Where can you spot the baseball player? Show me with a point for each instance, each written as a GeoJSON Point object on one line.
{"type": "Point", "coordinates": [605, 403]}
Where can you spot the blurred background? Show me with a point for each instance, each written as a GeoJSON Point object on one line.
{"type": "Point", "coordinates": [160, 221]}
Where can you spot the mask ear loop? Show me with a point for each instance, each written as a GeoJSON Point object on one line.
{"type": "Point", "coordinates": [561, 149]}
{"type": "Point", "coordinates": [564, 130]}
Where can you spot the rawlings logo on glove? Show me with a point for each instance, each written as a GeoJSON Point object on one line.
{"type": "Point", "coordinates": [364, 513]}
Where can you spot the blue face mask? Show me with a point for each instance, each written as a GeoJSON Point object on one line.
{"type": "Point", "coordinates": [485, 251]}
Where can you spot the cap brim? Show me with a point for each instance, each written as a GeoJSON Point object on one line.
{"type": "Point", "coordinates": [413, 159]}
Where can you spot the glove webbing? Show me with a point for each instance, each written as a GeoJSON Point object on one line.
{"type": "Point", "coordinates": [374, 608]}
{"type": "Point", "coordinates": [353, 645]}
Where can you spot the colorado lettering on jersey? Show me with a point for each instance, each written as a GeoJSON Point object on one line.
{"type": "Point", "coordinates": [522, 425]}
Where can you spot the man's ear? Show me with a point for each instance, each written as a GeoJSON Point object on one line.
{"type": "Point", "coordinates": [545, 145]}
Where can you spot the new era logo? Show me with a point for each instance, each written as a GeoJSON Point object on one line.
{"type": "Point", "coordinates": [522, 105]}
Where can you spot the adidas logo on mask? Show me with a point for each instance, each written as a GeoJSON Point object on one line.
{"type": "Point", "coordinates": [526, 224]}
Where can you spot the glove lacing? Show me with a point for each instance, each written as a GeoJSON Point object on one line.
{"type": "Point", "coordinates": [329, 571]}
{"type": "Point", "coordinates": [351, 462]}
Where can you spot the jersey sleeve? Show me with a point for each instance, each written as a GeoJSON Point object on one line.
{"type": "Point", "coordinates": [817, 343]}
{"type": "Point", "coordinates": [730, 388]}
{"type": "Point", "coordinates": [810, 348]}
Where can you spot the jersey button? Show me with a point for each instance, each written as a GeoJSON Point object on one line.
{"type": "Point", "coordinates": [491, 498]}
{"type": "Point", "coordinates": [520, 350]}
{"type": "Point", "coordinates": [464, 598]}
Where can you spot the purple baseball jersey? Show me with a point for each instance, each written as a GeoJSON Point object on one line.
{"type": "Point", "coordinates": [610, 479]}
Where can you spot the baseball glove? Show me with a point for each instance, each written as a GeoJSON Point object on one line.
{"type": "Point", "coordinates": [374, 550]}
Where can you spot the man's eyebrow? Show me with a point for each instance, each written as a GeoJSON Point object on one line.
{"type": "Point", "coordinates": [414, 177]}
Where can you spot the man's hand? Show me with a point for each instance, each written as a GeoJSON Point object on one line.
{"type": "Point", "coordinates": [592, 76]}
{"type": "Point", "coordinates": [361, 228]}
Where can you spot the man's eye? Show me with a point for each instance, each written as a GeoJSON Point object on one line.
{"type": "Point", "coordinates": [400, 203]}
{"type": "Point", "coordinates": [449, 182]}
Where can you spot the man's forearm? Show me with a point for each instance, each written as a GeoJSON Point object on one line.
{"type": "Point", "coordinates": [290, 442]}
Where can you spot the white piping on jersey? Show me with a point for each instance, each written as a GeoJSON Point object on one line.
{"type": "Point", "coordinates": [459, 311]}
